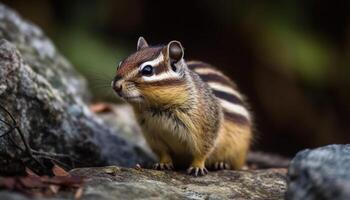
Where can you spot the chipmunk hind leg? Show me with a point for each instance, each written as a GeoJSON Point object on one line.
{"type": "Point", "coordinates": [231, 148]}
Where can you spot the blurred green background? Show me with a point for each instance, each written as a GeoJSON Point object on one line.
{"type": "Point", "coordinates": [290, 58]}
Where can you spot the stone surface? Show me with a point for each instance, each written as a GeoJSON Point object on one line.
{"type": "Point", "coordinates": [114, 183]}
{"type": "Point", "coordinates": [124, 183]}
{"type": "Point", "coordinates": [48, 99]}
{"type": "Point", "coordinates": [129, 128]}
{"type": "Point", "coordinates": [322, 173]}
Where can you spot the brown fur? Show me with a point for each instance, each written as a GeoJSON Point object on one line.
{"type": "Point", "coordinates": [182, 119]}
{"type": "Point", "coordinates": [137, 58]}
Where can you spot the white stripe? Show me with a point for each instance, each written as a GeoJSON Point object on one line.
{"type": "Point", "coordinates": [158, 77]}
{"type": "Point", "coordinates": [234, 108]}
{"type": "Point", "coordinates": [224, 88]}
{"type": "Point", "coordinates": [161, 76]}
{"type": "Point", "coordinates": [208, 71]}
{"type": "Point", "coordinates": [154, 62]}
{"type": "Point", "coordinates": [193, 62]}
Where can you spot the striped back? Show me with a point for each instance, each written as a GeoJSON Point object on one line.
{"type": "Point", "coordinates": [232, 102]}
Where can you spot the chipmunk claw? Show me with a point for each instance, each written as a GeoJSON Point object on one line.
{"type": "Point", "coordinates": [163, 166]}
{"type": "Point", "coordinates": [221, 165]}
{"type": "Point", "coordinates": [197, 171]}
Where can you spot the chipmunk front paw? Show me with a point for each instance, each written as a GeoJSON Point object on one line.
{"type": "Point", "coordinates": [197, 171]}
{"type": "Point", "coordinates": [163, 166]}
{"type": "Point", "coordinates": [221, 166]}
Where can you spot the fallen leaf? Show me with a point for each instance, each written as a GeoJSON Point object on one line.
{"type": "Point", "coordinates": [54, 189]}
{"type": "Point", "coordinates": [79, 193]}
{"type": "Point", "coordinates": [8, 183]}
{"type": "Point", "coordinates": [66, 181]}
{"type": "Point", "coordinates": [100, 108]}
{"type": "Point", "coordinates": [43, 186]}
{"type": "Point", "coordinates": [31, 182]}
{"type": "Point", "coordinates": [31, 173]}
{"type": "Point", "coordinates": [59, 171]}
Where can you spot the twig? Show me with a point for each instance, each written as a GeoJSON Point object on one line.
{"type": "Point", "coordinates": [54, 161]}
{"type": "Point", "coordinates": [5, 122]}
{"type": "Point", "coordinates": [9, 114]}
{"type": "Point", "coordinates": [7, 132]}
{"type": "Point", "coordinates": [27, 147]}
{"type": "Point", "coordinates": [32, 154]}
{"type": "Point", "coordinates": [50, 155]}
{"type": "Point", "coordinates": [13, 127]}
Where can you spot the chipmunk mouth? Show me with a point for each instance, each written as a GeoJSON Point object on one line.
{"type": "Point", "coordinates": [132, 98]}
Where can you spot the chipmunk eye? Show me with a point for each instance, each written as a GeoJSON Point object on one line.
{"type": "Point", "coordinates": [147, 70]}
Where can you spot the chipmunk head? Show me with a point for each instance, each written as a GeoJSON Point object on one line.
{"type": "Point", "coordinates": [153, 75]}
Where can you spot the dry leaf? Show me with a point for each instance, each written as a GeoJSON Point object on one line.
{"type": "Point", "coordinates": [8, 183]}
{"type": "Point", "coordinates": [59, 171]}
{"type": "Point", "coordinates": [31, 173]}
{"type": "Point", "coordinates": [100, 107]}
{"type": "Point", "coordinates": [31, 182]}
{"type": "Point", "coordinates": [54, 189]}
{"type": "Point", "coordinates": [66, 181]}
{"type": "Point", "coordinates": [43, 186]}
{"type": "Point", "coordinates": [79, 193]}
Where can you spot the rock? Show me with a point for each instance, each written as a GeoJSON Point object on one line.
{"type": "Point", "coordinates": [130, 130]}
{"type": "Point", "coordinates": [123, 183]}
{"type": "Point", "coordinates": [321, 173]}
{"type": "Point", "coordinates": [48, 99]}
{"type": "Point", "coordinates": [41, 55]}
{"type": "Point", "coordinates": [13, 196]}
{"type": "Point", "coordinates": [262, 160]}
{"type": "Point", "coordinates": [113, 183]}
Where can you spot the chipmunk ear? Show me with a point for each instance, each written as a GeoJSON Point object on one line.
{"type": "Point", "coordinates": [141, 43]}
{"type": "Point", "coordinates": [175, 51]}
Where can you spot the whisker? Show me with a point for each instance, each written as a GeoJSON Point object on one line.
{"type": "Point", "coordinates": [99, 76]}
{"type": "Point", "coordinates": [100, 87]}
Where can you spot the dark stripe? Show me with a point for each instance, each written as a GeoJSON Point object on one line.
{"type": "Point", "coordinates": [137, 58]}
{"type": "Point", "coordinates": [217, 78]}
{"type": "Point", "coordinates": [236, 118]}
{"type": "Point", "coordinates": [157, 70]}
{"type": "Point", "coordinates": [147, 54]}
{"type": "Point", "coordinates": [165, 82]}
{"type": "Point", "coordinates": [196, 64]}
{"type": "Point", "coordinates": [228, 97]}
{"type": "Point", "coordinates": [160, 68]}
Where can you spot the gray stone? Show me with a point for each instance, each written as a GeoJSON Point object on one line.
{"type": "Point", "coordinates": [109, 183]}
{"type": "Point", "coordinates": [48, 99]}
{"type": "Point", "coordinates": [12, 196]}
{"type": "Point", "coordinates": [114, 183]}
{"type": "Point", "coordinates": [128, 126]}
{"type": "Point", "coordinates": [322, 173]}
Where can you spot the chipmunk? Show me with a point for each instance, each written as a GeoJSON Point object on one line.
{"type": "Point", "coordinates": [191, 114]}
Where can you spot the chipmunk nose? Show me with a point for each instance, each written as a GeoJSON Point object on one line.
{"type": "Point", "coordinates": [117, 85]}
